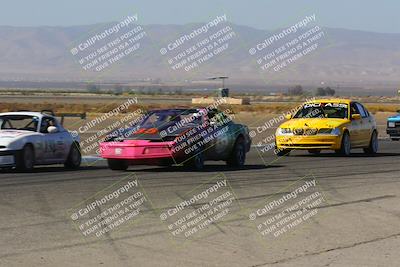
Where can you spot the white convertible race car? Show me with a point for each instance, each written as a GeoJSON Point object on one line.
{"type": "Point", "coordinates": [36, 138]}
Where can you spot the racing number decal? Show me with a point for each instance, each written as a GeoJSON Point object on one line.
{"type": "Point", "coordinates": [147, 131]}
{"type": "Point", "coordinates": [49, 146]}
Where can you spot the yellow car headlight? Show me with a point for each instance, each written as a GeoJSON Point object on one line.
{"type": "Point", "coordinates": [284, 131]}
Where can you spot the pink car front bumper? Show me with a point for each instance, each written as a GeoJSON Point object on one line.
{"type": "Point", "coordinates": [137, 150]}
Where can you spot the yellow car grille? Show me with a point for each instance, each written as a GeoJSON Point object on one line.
{"type": "Point", "coordinates": [306, 131]}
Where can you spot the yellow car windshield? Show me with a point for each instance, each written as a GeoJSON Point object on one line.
{"type": "Point", "coordinates": [323, 110]}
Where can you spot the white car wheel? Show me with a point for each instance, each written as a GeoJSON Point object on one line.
{"type": "Point", "coordinates": [74, 158]}
{"type": "Point", "coordinates": [25, 160]}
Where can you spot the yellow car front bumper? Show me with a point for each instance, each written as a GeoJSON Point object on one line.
{"type": "Point", "coordinates": [332, 142]}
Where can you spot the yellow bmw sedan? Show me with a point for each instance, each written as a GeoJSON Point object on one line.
{"type": "Point", "coordinates": [328, 124]}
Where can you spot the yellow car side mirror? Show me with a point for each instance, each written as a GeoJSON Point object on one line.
{"type": "Point", "coordinates": [288, 116]}
{"type": "Point", "coordinates": [356, 117]}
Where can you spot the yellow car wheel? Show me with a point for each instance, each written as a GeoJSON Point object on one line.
{"type": "Point", "coordinates": [345, 148]}
{"type": "Point", "coordinates": [373, 145]}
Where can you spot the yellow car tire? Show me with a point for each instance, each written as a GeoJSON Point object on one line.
{"type": "Point", "coordinates": [372, 149]}
{"type": "Point", "coordinates": [345, 148]}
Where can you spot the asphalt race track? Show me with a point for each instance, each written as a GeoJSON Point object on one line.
{"type": "Point", "coordinates": [358, 221]}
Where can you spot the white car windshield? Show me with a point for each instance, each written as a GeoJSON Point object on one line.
{"type": "Point", "coordinates": [19, 122]}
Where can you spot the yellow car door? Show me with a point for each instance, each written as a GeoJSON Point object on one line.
{"type": "Point", "coordinates": [355, 126]}
{"type": "Point", "coordinates": [366, 125]}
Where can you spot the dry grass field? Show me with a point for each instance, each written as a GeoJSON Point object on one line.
{"type": "Point", "coordinates": [102, 104]}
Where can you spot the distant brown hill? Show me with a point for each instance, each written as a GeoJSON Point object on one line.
{"type": "Point", "coordinates": [43, 53]}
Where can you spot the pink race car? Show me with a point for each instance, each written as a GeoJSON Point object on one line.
{"type": "Point", "coordinates": [178, 137]}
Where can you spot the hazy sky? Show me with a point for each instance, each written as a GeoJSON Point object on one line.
{"type": "Point", "coordinates": [369, 15]}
